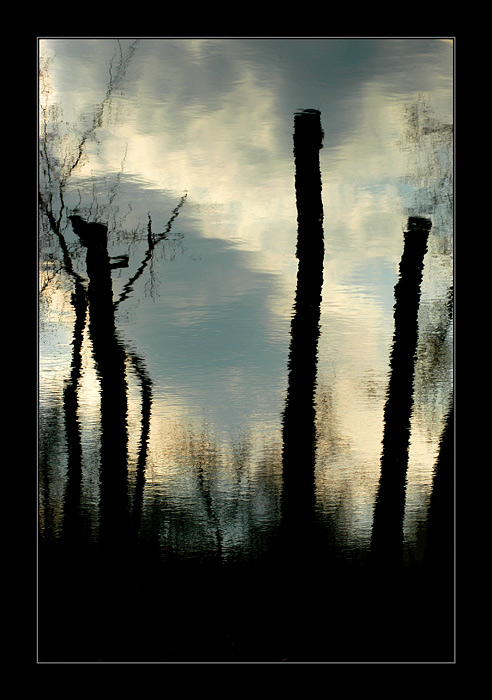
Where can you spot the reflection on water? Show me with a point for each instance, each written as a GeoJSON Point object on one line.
{"type": "Point", "coordinates": [299, 439]}
{"type": "Point", "coordinates": [390, 503]}
{"type": "Point", "coordinates": [245, 369]}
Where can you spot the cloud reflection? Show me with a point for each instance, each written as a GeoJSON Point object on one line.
{"type": "Point", "coordinates": [214, 118]}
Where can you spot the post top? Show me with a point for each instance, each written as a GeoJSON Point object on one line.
{"type": "Point", "coordinates": [419, 222]}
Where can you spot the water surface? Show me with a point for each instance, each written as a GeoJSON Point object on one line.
{"type": "Point", "coordinates": [183, 148]}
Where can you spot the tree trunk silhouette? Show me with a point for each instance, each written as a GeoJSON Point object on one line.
{"type": "Point", "coordinates": [387, 532]}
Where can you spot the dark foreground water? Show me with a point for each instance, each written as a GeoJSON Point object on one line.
{"type": "Point", "coordinates": [246, 351]}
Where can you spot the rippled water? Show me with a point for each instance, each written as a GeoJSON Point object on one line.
{"type": "Point", "coordinates": [184, 149]}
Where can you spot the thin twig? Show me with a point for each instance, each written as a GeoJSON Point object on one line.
{"type": "Point", "coordinates": [152, 240]}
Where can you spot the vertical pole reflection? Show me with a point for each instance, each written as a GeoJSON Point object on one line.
{"type": "Point", "coordinates": [109, 357]}
{"type": "Point", "coordinates": [387, 532]}
{"type": "Point", "coordinates": [299, 413]}
{"type": "Point", "coordinates": [440, 533]}
{"type": "Point", "coordinates": [146, 407]}
{"type": "Point", "coordinates": [72, 525]}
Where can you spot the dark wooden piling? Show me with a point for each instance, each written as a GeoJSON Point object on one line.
{"type": "Point", "coordinates": [387, 533]}
{"type": "Point", "coordinates": [299, 414]}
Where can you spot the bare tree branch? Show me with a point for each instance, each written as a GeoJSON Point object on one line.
{"type": "Point", "coordinates": [152, 241]}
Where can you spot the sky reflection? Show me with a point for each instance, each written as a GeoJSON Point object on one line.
{"type": "Point", "coordinates": [214, 119]}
